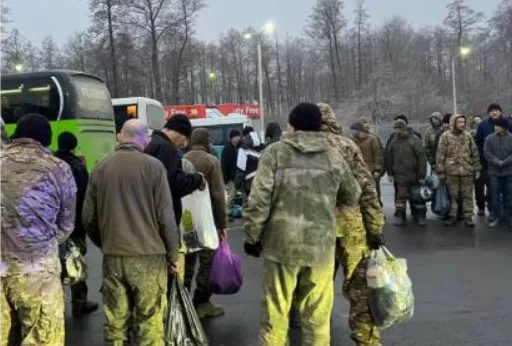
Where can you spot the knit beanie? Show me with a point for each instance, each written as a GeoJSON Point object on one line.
{"type": "Point", "coordinates": [179, 123]}
{"type": "Point", "coordinates": [446, 118]}
{"type": "Point", "coordinates": [502, 122]}
{"type": "Point", "coordinates": [67, 141]}
{"type": "Point", "coordinates": [306, 117]}
{"type": "Point", "coordinates": [402, 117]}
{"type": "Point", "coordinates": [234, 133]}
{"type": "Point", "coordinates": [34, 126]}
{"type": "Point", "coordinates": [494, 106]}
{"type": "Point", "coordinates": [400, 124]}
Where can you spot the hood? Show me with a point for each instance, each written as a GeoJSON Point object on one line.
{"type": "Point", "coordinates": [471, 122]}
{"type": "Point", "coordinates": [306, 142]}
{"type": "Point", "coordinates": [273, 131]}
{"type": "Point", "coordinates": [200, 138]}
{"type": "Point", "coordinates": [329, 123]}
{"type": "Point", "coordinates": [454, 118]}
{"type": "Point", "coordinates": [435, 115]}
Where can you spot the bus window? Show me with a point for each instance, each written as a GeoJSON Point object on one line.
{"type": "Point", "coordinates": [29, 96]}
{"type": "Point", "coordinates": [155, 117]}
{"type": "Point", "coordinates": [93, 98]}
{"type": "Point", "coordinates": [217, 134]}
{"type": "Point", "coordinates": [124, 113]}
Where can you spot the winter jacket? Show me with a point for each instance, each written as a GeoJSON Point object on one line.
{"type": "Point", "coordinates": [209, 165]}
{"type": "Point", "coordinates": [291, 209]}
{"type": "Point", "coordinates": [38, 208]}
{"type": "Point", "coordinates": [81, 179]}
{"type": "Point", "coordinates": [498, 154]}
{"type": "Point", "coordinates": [388, 143]}
{"type": "Point", "coordinates": [429, 142]}
{"type": "Point", "coordinates": [457, 154]}
{"type": "Point", "coordinates": [180, 182]}
{"type": "Point", "coordinates": [228, 162]}
{"type": "Point", "coordinates": [485, 129]}
{"type": "Point", "coordinates": [128, 208]}
{"type": "Point", "coordinates": [406, 159]}
{"type": "Point", "coordinates": [371, 151]}
{"type": "Point", "coordinates": [247, 164]}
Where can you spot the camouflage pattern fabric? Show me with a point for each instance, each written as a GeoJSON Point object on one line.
{"type": "Point", "coordinates": [38, 208]}
{"type": "Point", "coordinates": [457, 153]}
{"type": "Point", "coordinates": [461, 188]}
{"type": "Point", "coordinates": [79, 290]}
{"type": "Point", "coordinates": [205, 257]}
{"type": "Point", "coordinates": [32, 310]}
{"type": "Point", "coordinates": [312, 292]}
{"type": "Point", "coordinates": [299, 182]}
{"type": "Point", "coordinates": [402, 194]}
{"type": "Point", "coordinates": [135, 284]}
{"type": "Point", "coordinates": [369, 202]}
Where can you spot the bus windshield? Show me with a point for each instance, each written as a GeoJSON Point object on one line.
{"type": "Point", "coordinates": [93, 99]}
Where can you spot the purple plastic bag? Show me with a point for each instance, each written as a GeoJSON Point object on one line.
{"type": "Point", "coordinates": [226, 272]}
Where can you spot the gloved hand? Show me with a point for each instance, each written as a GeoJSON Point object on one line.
{"type": "Point", "coordinates": [374, 241]}
{"type": "Point", "coordinates": [253, 250]}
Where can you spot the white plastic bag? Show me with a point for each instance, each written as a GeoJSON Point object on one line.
{"type": "Point", "coordinates": [389, 288]}
{"type": "Point", "coordinates": [197, 226]}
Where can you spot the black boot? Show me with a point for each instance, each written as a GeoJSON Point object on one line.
{"type": "Point", "coordinates": [422, 218]}
{"type": "Point", "coordinates": [401, 217]}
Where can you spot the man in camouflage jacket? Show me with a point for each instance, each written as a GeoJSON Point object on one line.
{"type": "Point", "coordinates": [406, 166]}
{"type": "Point", "coordinates": [359, 230]}
{"type": "Point", "coordinates": [291, 217]}
{"type": "Point", "coordinates": [429, 141]}
{"type": "Point", "coordinates": [38, 214]}
{"type": "Point", "coordinates": [458, 164]}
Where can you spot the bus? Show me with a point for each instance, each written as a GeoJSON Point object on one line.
{"type": "Point", "coordinates": [219, 128]}
{"type": "Point", "coordinates": [72, 101]}
{"type": "Point", "coordinates": [149, 111]}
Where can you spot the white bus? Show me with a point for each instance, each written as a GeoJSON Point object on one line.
{"type": "Point", "coordinates": [149, 111]}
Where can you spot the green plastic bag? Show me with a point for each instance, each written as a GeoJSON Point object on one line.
{"type": "Point", "coordinates": [182, 326]}
{"type": "Point", "coordinates": [389, 288]}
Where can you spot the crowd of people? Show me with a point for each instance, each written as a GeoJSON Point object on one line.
{"type": "Point", "coordinates": [312, 203]}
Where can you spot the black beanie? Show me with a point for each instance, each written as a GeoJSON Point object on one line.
{"type": "Point", "coordinates": [234, 133]}
{"type": "Point", "coordinates": [446, 118]}
{"type": "Point", "coordinates": [67, 141]}
{"type": "Point", "coordinates": [34, 126]}
{"type": "Point", "coordinates": [402, 117]}
{"type": "Point", "coordinates": [179, 123]}
{"type": "Point", "coordinates": [247, 130]}
{"type": "Point", "coordinates": [494, 106]}
{"type": "Point", "coordinates": [306, 117]}
{"type": "Point", "coordinates": [501, 122]}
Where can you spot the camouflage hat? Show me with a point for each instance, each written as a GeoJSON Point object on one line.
{"type": "Point", "coordinates": [364, 120]}
{"type": "Point", "coordinates": [329, 123]}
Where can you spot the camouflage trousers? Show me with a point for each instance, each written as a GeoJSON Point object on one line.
{"type": "Point", "coordinates": [32, 310]}
{"type": "Point", "coordinates": [312, 293]}
{"type": "Point", "coordinates": [355, 289]}
{"type": "Point", "coordinates": [231, 191]}
{"type": "Point", "coordinates": [461, 188]}
{"type": "Point", "coordinates": [134, 296]}
{"type": "Point", "coordinates": [402, 193]}
{"type": "Point", "coordinates": [201, 294]}
{"type": "Point", "coordinates": [79, 290]}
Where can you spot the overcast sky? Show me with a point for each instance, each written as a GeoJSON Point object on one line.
{"type": "Point", "coordinates": [36, 19]}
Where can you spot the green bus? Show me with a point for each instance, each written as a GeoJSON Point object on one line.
{"type": "Point", "coordinates": [72, 101]}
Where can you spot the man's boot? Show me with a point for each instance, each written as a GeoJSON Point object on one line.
{"type": "Point", "coordinates": [422, 218]}
{"type": "Point", "coordinates": [401, 217]}
{"type": "Point", "coordinates": [451, 221]}
{"type": "Point", "coordinates": [469, 222]}
{"type": "Point", "coordinates": [84, 309]}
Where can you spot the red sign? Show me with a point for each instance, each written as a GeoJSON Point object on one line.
{"type": "Point", "coordinates": [252, 111]}
{"type": "Point", "coordinates": [192, 112]}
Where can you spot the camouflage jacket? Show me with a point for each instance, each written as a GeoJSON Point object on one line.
{"type": "Point", "coordinates": [457, 153]}
{"type": "Point", "coordinates": [429, 143]}
{"type": "Point", "coordinates": [369, 203]}
{"type": "Point", "coordinates": [299, 182]}
{"type": "Point", "coordinates": [38, 208]}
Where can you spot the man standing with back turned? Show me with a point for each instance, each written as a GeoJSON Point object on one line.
{"type": "Point", "coordinates": [38, 207]}
{"type": "Point", "coordinates": [128, 213]}
{"type": "Point", "coordinates": [291, 218]}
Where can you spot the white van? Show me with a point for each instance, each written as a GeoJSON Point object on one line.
{"type": "Point", "coordinates": [149, 111]}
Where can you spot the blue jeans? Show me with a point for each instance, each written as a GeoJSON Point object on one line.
{"type": "Point", "coordinates": [501, 192]}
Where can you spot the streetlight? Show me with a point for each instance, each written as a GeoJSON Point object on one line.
{"type": "Point", "coordinates": [268, 28]}
{"type": "Point", "coordinates": [212, 77]}
{"type": "Point", "coordinates": [464, 51]}
{"type": "Point", "coordinates": [18, 67]}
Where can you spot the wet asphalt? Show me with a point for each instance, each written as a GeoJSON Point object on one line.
{"type": "Point", "coordinates": [462, 283]}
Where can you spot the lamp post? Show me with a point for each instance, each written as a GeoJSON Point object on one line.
{"type": "Point", "coordinates": [267, 29]}
{"type": "Point", "coordinates": [18, 68]}
{"type": "Point", "coordinates": [463, 52]}
{"type": "Point", "coordinates": [212, 77]}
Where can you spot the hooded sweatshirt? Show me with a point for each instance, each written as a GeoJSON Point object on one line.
{"type": "Point", "coordinates": [457, 154]}
{"type": "Point", "coordinates": [485, 129]}
{"type": "Point", "coordinates": [291, 209]}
